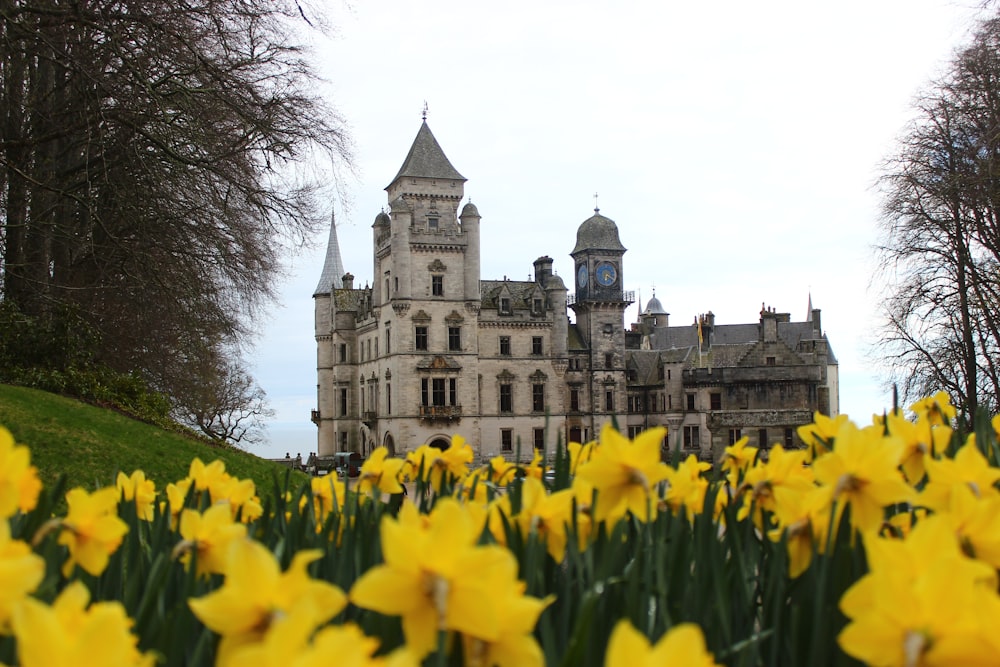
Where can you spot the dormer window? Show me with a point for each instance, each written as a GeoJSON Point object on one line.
{"type": "Point", "coordinates": [536, 306]}
{"type": "Point", "coordinates": [504, 306]}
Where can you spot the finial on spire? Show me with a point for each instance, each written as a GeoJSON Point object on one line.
{"type": "Point", "coordinates": [596, 208]}
{"type": "Point", "coordinates": [424, 113]}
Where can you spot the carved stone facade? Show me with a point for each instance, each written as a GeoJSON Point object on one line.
{"type": "Point", "coordinates": [431, 350]}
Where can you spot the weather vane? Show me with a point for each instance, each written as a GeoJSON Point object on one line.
{"type": "Point", "coordinates": [596, 209]}
{"type": "Point", "coordinates": [424, 114]}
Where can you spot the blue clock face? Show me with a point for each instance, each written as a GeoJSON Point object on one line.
{"type": "Point", "coordinates": [606, 274]}
{"type": "Point", "coordinates": [581, 275]}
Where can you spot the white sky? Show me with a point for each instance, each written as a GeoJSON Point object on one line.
{"type": "Point", "coordinates": [735, 144]}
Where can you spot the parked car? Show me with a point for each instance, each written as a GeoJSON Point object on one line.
{"type": "Point", "coordinates": [347, 464]}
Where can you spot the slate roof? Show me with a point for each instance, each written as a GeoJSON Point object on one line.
{"type": "Point", "coordinates": [598, 233]}
{"type": "Point", "coordinates": [741, 337]}
{"type": "Point", "coordinates": [426, 159]}
{"type": "Point", "coordinates": [521, 292]}
{"type": "Point", "coordinates": [333, 266]}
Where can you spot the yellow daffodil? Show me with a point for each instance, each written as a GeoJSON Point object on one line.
{"type": "Point", "coordinates": [352, 648]}
{"type": "Point", "coordinates": [924, 611]}
{"type": "Point", "coordinates": [515, 645]}
{"type": "Point", "coordinates": [969, 468]}
{"type": "Point", "coordinates": [737, 459]}
{"type": "Point", "coordinates": [976, 524]}
{"type": "Point", "coordinates": [138, 489]}
{"type": "Point", "coordinates": [686, 487]}
{"type": "Point", "coordinates": [328, 494]}
{"type": "Point", "coordinates": [209, 535]}
{"type": "Point", "coordinates": [21, 571]}
{"type": "Point", "coordinates": [862, 471]}
{"type": "Point", "coordinates": [436, 579]}
{"type": "Point", "coordinates": [92, 530]}
{"type": "Point", "coordinates": [625, 473]}
{"type": "Point", "coordinates": [70, 633]}
{"type": "Point", "coordinates": [683, 644]}
{"type": "Point", "coordinates": [936, 409]}
{"type": "Point", "coordinates": [785, 471]}
{"type": "Point", "coordinates": [380, 473]}
{"type": "Point", "coordinates": [256, 593]}
{"type": "Point", "coordinates": [546, 515]}
{"type": "Point", "coordinates": [19, 483]}
{"type": "Point", "coordinates": [819, 435]}
{"type": "Point", "coordinates": [803, 518]}
{"type": "Point", "coordinates": [501, 472]}
{"type": "Point", "coordinates": [921, 440]}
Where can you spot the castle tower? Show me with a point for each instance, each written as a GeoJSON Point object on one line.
{"type": "Point", "coordinates": [599, 305]}
{"type": "Point", "coordinates": [426, 268]}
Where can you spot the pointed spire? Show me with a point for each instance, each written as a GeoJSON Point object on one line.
{"type": "Point", "coordinates": [426, 159]}
{"type": "Point", "coordinates": [333, 266]}
{"type": "Point", "coordinates": [809, 308]}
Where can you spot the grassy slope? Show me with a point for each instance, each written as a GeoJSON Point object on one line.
{"type": "Point", "coordinates": [90, 445]}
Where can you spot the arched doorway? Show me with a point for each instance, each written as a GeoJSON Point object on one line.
{"type": "Point", "coordinates": [389, 444]}
{"type": "Point", "coordinates": [440, 443]}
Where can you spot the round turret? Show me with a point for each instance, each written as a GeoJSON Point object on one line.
{"type": "Point", "coordinates": [399, 205]}
{"type": "Point", "coordinates": [654, 307]}
{"type": "Point", "coordinates": [382, 220]}
{"type": "Point", "coordinates": [598, 233]}
{"type": "Point", "coordinates": [470, 210]}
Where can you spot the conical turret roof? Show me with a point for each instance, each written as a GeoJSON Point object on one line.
{"type": "Point", "coordinates": [426, 159]}
{"type": "Point", "coordinates": [333, 267]}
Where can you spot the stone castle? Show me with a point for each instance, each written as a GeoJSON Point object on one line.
{"type": "Point", "coordinates": [430, 349]}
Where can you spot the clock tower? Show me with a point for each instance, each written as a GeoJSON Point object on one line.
{"type": "Point", "coordinates": [599, 305]}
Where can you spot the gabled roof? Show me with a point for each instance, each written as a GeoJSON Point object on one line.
{"type": "Point", "coordinates": [521, 292]}
{"type": "Point", "coordinates": [426, 159]}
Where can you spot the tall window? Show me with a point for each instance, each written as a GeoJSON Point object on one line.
{"type": "Point", "coordinates": [574, 400]}
{"type": "Point", "coordinates": [734, 435]}
{"type": "Point", "coordinates": [504, 306]}
{"type": "Point", "coordinates": [438, 391]}
{"type": "Point", "coordinates": [716, 399]}
{"type": "Point", "coordinates": [536, 306]}
{"type": "Point", "coordinates": [788, 438]}
{"type": "Point", "coordinates": [388, 294]}
{"type": "Point", "coordinates": [432, 222]}
{"type": "Point", "coordinates": [762, 438]}
{"type": "Point", "coordinates": [424, 392]}
{"type": "Point", "coordinates": [609, 360]}
{"type": "Point", "coordinates": [437, 285]}
{"type": "Point", "coordinates": [387, 337]}
{"type": "Point", "coordinates": [609, 401]}
{"type": "Point", "coordinates": [506, 440]}
{"type": "Point", "coordinates": [455, 339]}
{"type": "Point", "coordinates": [343, 401]}
{"type": "Point", "coordinates": [505, 346]}
{"type": "Point", "coordinates": [539, 436]}
{"type": "Point", "coordinates": [692, 439]}
{"type": "Point", "coordinates": [452, 391]}
{"type": "Point", "coordinates": [342, 348]}
{"type": "Point", "coordinates": [420, 340]}
{"type": "Point", "coordinates": [538, 398]}
{"type": "Point", "coordinates": [536, 345]}
{"type": "Point", "coordinates": [506, 398]}
{"type": "Point", "coordinates": [388, 398]}
{"type": "Point", "coordinates": [690, 401]}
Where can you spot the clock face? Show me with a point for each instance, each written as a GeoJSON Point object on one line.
{"type": "Point", "coordinates": [606, 274]}
{"type": "Point", "coordinates": [581, 275]}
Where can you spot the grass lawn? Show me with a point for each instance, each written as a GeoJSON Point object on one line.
{"type": "Point", "coordinates": [90, 444]}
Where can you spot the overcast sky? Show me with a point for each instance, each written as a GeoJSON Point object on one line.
{"type": "Point", "coordinates": [735, 144]}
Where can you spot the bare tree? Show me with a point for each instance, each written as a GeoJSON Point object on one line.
{"type": "Point", "coordinates": [940, 248]}
{"type": "Point", "coordinates": [156, 156]}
